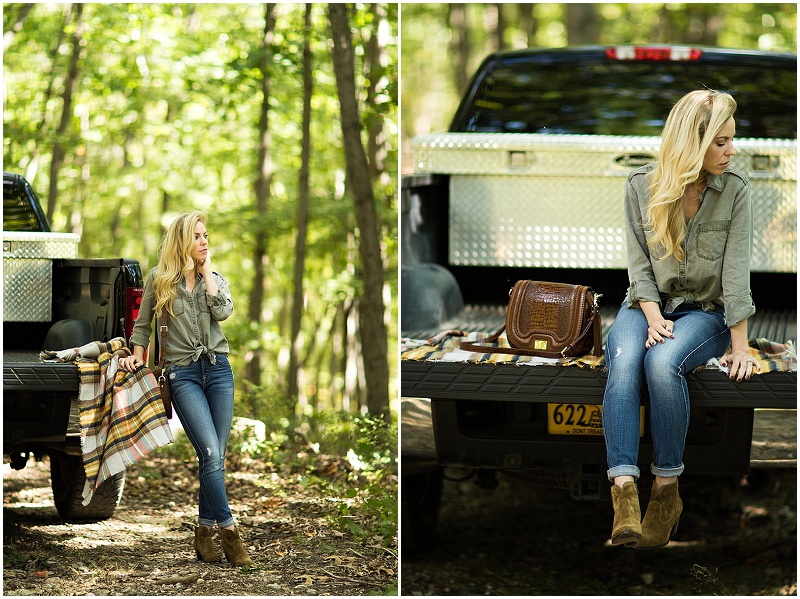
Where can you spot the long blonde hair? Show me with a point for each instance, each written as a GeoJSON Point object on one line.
{"type": "Point", "coordinates": [175, 259]}
{"type": "Point", "coordinates": [691, 127]}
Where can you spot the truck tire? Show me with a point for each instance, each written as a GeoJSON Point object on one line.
{"type": "Point", "coordinates": [421, 498]}
{"type": "Point", "coordinates": [68, 478]}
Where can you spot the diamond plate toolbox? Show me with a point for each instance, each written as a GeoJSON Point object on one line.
{"type": "Point", "coordinates": [536, 200]}
{"type": "Point", "coordinates": [28, 273]}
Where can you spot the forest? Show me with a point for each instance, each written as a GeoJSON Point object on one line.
{"type": "Point", "coordinates": [122, 116]}
{"type": "Point", "coordinates": [279, 122]}
{"type": "Point", "coordinates": [447, 42]}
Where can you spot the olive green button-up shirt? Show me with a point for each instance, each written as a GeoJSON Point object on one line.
{"type": "Point", "coordinates": [194, 331]}
{"type": "Point", "coordinates": [717, 246]}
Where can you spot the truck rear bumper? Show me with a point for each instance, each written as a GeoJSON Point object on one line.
{"type": "Point", "coordinates": [773, 445]}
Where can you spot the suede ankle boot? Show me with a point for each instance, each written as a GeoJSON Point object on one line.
{"type": "Point", "coordinates": [627, 528]}
{"type": "Point", "coordinates": [204, 545]}
{"type": "Point", "coordinates": [663, 514]}
{"type": "Point", "coordinates": [233, 548]}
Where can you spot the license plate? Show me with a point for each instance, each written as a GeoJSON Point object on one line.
{"type": "Point", "coordinates": [580, 419]}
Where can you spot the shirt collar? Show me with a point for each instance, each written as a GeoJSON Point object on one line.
{"type": "Point", "coordinates": [715, 182]}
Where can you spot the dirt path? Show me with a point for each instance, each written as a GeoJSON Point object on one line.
{"type": "Point", "coordinates": [303, 540]}
{"type": "Point", "coordinates": [519, 539]}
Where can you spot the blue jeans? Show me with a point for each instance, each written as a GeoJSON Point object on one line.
{"type": "Point", "coordinates": [699, 336]}
{"type": "Point", "coordinates": [202, 394]}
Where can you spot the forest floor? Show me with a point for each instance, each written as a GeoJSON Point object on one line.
{"type": "Point", "coordinates": [736, 537]}
{"type": "Point", "coordinates": [307, 531]}
{"type": "Point", "coordinates": [522, 540]}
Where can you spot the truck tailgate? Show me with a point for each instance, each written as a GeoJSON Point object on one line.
{"type": "Point", "coordinates": [40, 400]}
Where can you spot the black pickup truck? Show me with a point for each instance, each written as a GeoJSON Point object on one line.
{"type": "Point", "coordinates": [528, 184]}
{"type": "Point", "coordinates": [53, 300]}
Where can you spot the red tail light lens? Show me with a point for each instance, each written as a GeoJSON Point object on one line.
{"type": "Point", "coordinates": [668, 53]}
{"type": "Point", "coordinates": [133, 301]}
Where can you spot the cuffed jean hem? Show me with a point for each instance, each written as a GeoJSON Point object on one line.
{"type": "Point", "coordinates": [666, 472]}
{"type": "Point", "coordinates": [205, 522]}
{"type": "Point", "coordinates": [623, 471]}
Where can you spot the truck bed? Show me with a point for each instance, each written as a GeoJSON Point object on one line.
{"type": "Point", "coordinates": [505, 382]}
{"type": "Point", "coordinates": [495, 414]}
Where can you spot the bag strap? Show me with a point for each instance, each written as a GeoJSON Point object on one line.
{"type": "Point", "coordinates": [594, 320]}
{"type": "Point", "coordinates": [162, 345]}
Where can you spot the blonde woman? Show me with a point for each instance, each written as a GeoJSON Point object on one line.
{"type": "Point", "coordinates": [689, 230]}
{"type": "Point", "coordinates": [195, 300]}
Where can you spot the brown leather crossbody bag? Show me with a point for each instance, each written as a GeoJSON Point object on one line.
{"type": "Point", "coordinates": [548, 320]}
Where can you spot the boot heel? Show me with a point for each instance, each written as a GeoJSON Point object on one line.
{"type": "Point", "coordinates": [675, 528]}
{"type": "Point", "coordinates": [663, 515]}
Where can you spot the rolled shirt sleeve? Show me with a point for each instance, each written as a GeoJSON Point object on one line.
{"type": "Point", "coordinates": [643, 286]}
{"type": "Point", "coordinates": [737, 297]}
{"type": "Point", "coordinates": [220, 305]}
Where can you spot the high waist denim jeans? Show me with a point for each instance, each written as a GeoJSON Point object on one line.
{"type": "Point", "coordinates": [202, 394]}
{"type": "Point", "coordinates": [699, 336]}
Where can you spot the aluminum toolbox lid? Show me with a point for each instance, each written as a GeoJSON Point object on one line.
{"type": "Point", "coordinates": [597, 155]}
{"type": "Point", "coordinates": [32, 245]}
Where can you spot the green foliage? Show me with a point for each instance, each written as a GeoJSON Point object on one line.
{"type": "Point", "coordinates": [363, 488]}
{"type": "Point", "coordinates": [165, 118]}
{"type": "Point", "coordinates": [391, 590]}
{"type": "Point", "coordinates": [272, 407]}
{"type": "Point", "coordinates": [372, 455]}
{"type": "Point", "coordinates": [181, 451]}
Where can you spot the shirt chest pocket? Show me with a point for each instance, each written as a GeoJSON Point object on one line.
{"type": "Point", "coordinates": [179, 305]}
{"type": "Point", "coordinates": [711, 239]}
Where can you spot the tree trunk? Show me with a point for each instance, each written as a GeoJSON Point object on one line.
{"type": "Point", "coordinates": [527, 23]}
{"type": "Point", "coordinates": [66, 114]}
{"type": "Point", "coordinates": [371, 313]}
{"type": "Point", "coordinates": [459, 44]}
{"type": "Point", "coordinates": [376, 140]}
{"type": "Point", "coordinates": [499, 32]}
{"type": "Point", "coordinates": [33, 166]}
{"type": "Point", "coordinates": [302, 209]}
{"type": "Point", "coordinates": [704, 25]}
{"type": "Point", "coordinates": [262, 189]}
{"type": "Point", "coordinates": [582, 23]}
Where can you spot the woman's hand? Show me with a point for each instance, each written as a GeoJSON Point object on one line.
{"type": "Point", "coordinates": [204, 266]}
{"type": "Point", "coordinates": [658, 330]}
{"type": "Point", "coordinates": [742, 365]}
{"type": "Point", "coordinates": [131, 363]}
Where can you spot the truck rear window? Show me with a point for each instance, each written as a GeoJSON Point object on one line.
{"type": "Point", "coordinates": [626, 98]}
{"type": "Point", "coordinates": [18, 214]}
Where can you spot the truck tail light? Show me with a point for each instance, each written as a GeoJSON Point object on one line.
{"type": "Point", "coordinates": [667, 53]}
{"type": "Point", "coordinates": [133, 301]}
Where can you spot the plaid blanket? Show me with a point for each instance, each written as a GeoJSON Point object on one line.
{"type": "Point", "coordinates": [444, 347]}
{"type": "Point", "coordinates": [121, 415]}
